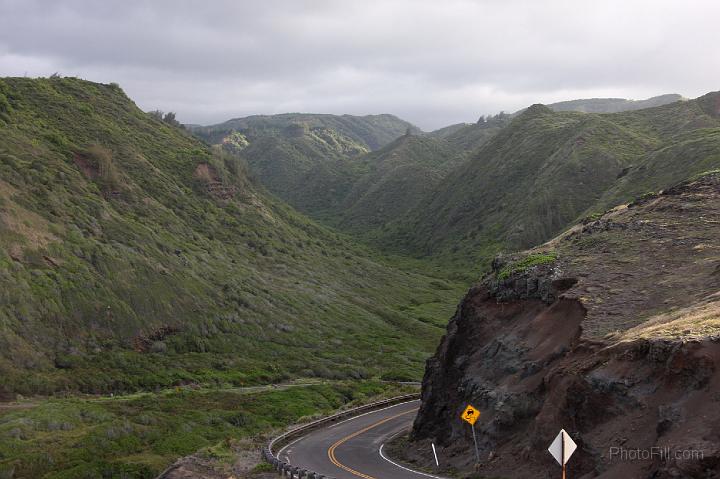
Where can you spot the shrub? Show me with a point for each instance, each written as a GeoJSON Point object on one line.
{"type": "Point", "coordinates": [4, 104]}
{"type": "Point", "coordinates": [101, 160]}
{"type": "Point", "coordinates": [527, 263]}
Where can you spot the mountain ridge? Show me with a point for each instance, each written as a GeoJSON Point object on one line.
{"type": "Point", "coordinates": [134, 257]}
{"type": "Point", "coordinates": [546, 170]}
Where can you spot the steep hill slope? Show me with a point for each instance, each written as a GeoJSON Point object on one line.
{"type": "Point", "coordinates": [134, 256]}
{"type": "Point", "coordinates": [306, 159]}
{"type": "Point", "coordinates": [610, 331]}
{"type": "Point", "coordinates": [392, 180]}
{"type": "Point", "coordinates": [549, 169]}
{"type": "Point", "coordinates": [312, 169]}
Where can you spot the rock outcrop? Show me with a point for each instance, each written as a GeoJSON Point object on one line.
{"type": "Point", "coordinates": [615, 337]}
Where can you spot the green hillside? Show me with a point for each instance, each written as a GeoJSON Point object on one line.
{"type": "Point", "coordinates": [393, 180]}
{"type": "Point", "coordinates": [307, 160]}
{"type": "Point", "coordinates": [549, 169]}
{"type": "Point", "coordinates": [311, 169]}
{"type": "Point", "coordinates": [353, 173]}
{"type": "Point", "coordinates": [370, 131]}
{"type": "Point", "coordinates": [470, 137]}
{"type": "Point", "coordinates": [133, 257]}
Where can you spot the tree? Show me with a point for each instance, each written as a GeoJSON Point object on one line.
{"type": "Point", "coordinates": [170, 120]}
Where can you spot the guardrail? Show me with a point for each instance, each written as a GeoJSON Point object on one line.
{"type": "Point", "coordinates": [294, 472]}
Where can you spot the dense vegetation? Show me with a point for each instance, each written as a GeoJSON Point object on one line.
{"type": "Point", "coordinates": [133, 257]}
{"type": "Point", "coordinates": [139, 435]}
{"type": "Point", "coordinates": [547, 170]}
{"type": "Point", "coordinates": [458, 195]}
{"type": "Point", "coordinates": [352, 173]}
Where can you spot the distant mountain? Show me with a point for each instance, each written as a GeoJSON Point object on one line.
{"type": "Point", "coordinates": [370, 131]}
{"type": "Point", "coordinates": [613, 105]}
{"type": "Point", "coordinates": [310, 168]}
{"type": "Point", "coordinates": [447, 130]}
{"type": "Point", "coordinates": [547, 169]}
{"type": "Point", "coordinates": [470, 136]}
{"type": "Point", "coordinates": [307, 160]}
{"type": "Point", "coordinates": [134, 256]}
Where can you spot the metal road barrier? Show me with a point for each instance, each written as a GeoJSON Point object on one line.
{"type": "Point", "coordinates": [293, 472]}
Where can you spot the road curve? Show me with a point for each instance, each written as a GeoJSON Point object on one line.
{"type": "Point", "coordinates": [352, 448]}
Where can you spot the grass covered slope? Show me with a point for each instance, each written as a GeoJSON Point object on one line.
{"type": "Point", "coordinates": [370, 131]}
{"type": "Point", "coordinates": [547, 170]}
{"type": "Point", "coordinates": [394, 179]}
{"type": "Point", "coordinates": [331, 167]}
{"type": "Point", "coordinates": [307, 160]}
{"type": "Point", "coordinates": [134, 256]}
{"type": "Point", "coordinates": [312, 169]}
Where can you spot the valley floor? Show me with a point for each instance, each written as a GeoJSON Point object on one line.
{"type": "Point", "coordinates": [140, 435]}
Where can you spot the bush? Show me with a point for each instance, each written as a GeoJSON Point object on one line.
{"type": "Point", "coordinates": [4, 104]}
{"type": "Point", "coordinates": [527, 263]}
{"type": "Point", "coordinates": [101, 160]}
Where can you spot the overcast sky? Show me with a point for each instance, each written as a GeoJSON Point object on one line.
{"type": "Point", "coordinates": [433, 62]}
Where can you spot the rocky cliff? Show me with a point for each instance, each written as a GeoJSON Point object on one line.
{"type": "Point", "coordinates": [610, 331]}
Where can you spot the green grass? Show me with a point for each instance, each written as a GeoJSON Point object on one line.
{"type": "Point", "coordinates": [526, 263]}
{"type": "Point", "coordinates": [139, 435]}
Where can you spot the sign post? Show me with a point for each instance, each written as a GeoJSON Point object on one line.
{"type": "Point", "coordinates": [471, 415]}
{"type": "Point", "coordinates": [562, 448]}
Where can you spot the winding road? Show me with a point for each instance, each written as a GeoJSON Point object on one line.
{"type": "Point", "coordinates": [353, 448]}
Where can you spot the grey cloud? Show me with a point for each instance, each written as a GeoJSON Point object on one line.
{"type": "Point", "coordinates": [431, 62]}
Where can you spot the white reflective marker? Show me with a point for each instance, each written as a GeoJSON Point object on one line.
{"type": "Point", "coordinates": [435, 454]}
{"type": "Point", "coordinates": [562, 447]}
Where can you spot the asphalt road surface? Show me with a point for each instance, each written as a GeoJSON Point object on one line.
{"type": "Point", "coordinates": [353, 447]}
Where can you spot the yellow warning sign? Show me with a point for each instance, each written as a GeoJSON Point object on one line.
{"type": "Point", "coordinates": [470, 414]}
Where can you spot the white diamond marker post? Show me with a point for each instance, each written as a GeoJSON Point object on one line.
{"type": "Point", "coordinates": [562, 448]}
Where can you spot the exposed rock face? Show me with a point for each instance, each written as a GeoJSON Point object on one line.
{"type": "Point", "coordinates": [517, 349]}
